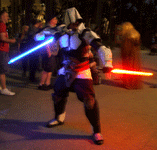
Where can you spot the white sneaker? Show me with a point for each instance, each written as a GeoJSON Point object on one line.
{"type": "Point", "coordinates": [7, 92]}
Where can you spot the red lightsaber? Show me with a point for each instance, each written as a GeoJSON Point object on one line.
{"type": "Point", "coordinates": [129, 72]}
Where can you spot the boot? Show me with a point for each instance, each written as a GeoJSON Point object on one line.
{"type": "Point", "coordinates": [94, 119]}
{"type": "Point", "coordinates": [98, 138]}
{"type": "Point", "coordinates": [59, 107]}
{"type": "Point", "coordinates": [56, 122]}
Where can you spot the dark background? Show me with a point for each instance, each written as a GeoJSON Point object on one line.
{"type": "Point", "coordinates": [141, 13]}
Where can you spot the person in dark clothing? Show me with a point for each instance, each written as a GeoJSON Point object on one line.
{"type": "Point", "coordinates": [34, 57]}
{"type": "Point", "coordinates": [22, 44]}
{"type": "Point", "coordinates": [153, 48]}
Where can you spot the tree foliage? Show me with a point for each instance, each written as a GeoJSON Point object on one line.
{"type": "Point", "coordinates": [141, 13]}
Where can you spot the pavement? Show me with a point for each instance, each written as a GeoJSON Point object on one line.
{"type": "Point", "coordinates": [128, 117]}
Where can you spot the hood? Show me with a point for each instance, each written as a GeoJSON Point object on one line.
{"type": "Point", "coordinates": [72, 16]}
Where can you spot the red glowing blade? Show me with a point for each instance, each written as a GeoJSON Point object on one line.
{"type": "Point", "coordinates": [121, 71]}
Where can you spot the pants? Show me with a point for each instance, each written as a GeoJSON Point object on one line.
{"type": "Point", "coordinates": [33, 65]}
{"type": "Point", "coordinates": [25, 64]}
{"type": "Point", "coordinates": [4, 62]}
{"type": "Point", "coordinates": [85, 93]}
{"type": "Point", "coordinates": [48, 63]}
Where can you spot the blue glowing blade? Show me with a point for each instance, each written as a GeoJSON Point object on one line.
{"type": "Point", "coordinates": [31, 50]}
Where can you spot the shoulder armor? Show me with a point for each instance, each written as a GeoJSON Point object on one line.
{"type": "Point", "coordinates": [88, 35]}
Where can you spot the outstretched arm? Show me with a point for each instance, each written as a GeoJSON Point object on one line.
{"type": "Point", "coordinates": [55, 32]}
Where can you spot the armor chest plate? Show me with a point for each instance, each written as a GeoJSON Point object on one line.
{"type": "Point", "coordinates": [70, 41]}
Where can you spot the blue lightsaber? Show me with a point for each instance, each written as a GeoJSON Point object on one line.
{"type": "Point", "coordinates": [31, 50]}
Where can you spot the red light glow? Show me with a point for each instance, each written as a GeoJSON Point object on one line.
{"type": "Point", "coordinates": [129, 72]}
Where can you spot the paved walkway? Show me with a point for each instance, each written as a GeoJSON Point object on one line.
{"type": "Point", "coordinates": [128, 117]}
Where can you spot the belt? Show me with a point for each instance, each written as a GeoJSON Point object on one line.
{"type": "Point", "coordinates": [82, 66]}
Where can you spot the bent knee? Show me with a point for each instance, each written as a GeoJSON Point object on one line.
{"type": "Point", "coordinates": [89, 103]}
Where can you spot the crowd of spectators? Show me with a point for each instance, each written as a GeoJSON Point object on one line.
{"type": "Point", "coordinates": [43, 59]}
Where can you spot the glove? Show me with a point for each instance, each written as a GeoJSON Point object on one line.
{"type": "Point", "coordinates": [107, 69]}
{"type": "Point", "coordinates": [57, 35]}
